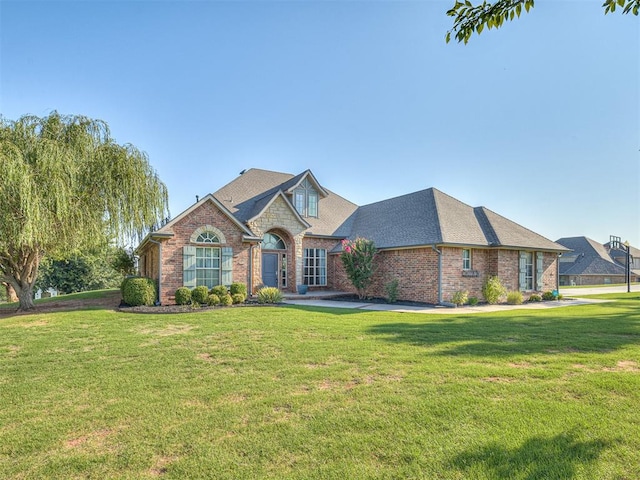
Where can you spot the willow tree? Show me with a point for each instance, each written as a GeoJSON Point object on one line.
{"type": "Point", "coordinates": [64, 185]}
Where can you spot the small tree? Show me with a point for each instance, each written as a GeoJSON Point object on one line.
{"type": "Point", "coordinates": [357, 257]}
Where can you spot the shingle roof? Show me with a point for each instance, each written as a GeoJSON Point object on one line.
{"type": "Point", "coordinates": [589, 258]}
{"type": "Point", "coordinates": [431, 217]}
{"type": "Point", "coordinates": [250, 192]}
{"type": "Point", "coordinates": [426, 217]}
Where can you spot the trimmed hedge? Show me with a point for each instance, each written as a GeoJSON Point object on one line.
{"type": "Point", "coordinates": [200, 295]}
{"type": "Point", "coordinates": [138, 291]}
{"type": "Point", "coordinates": [238, 288]}
{"type": "Point", "coordinates": [183, 296]}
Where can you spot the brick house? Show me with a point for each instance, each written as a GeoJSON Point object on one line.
{"type": "Point", "coordinates": [593, 263]}
{"type": "Point", "coordinates": [276, 229]}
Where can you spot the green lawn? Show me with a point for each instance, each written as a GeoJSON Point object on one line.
{"type": "Point", "coordinates": [293, 392]}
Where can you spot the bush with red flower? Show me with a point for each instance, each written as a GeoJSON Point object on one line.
{"type": "Point", "coordinates": [358, 261]}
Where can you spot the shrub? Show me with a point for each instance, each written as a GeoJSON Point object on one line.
{"type": "Point", "coordinates": [139, 291]}
{"type": "Point", "coordinates": [238, 298]}
{"type": "Point", "coordinates": [238, 288]}
{"type": "Point", "coordinates": [514, 298]}
{"type": "Point", "coordinates": [460, 297]}
{"type": "Point", "coordinates": [493, 290]}
{"type": "Point", "coordinates": [220, 290]}
{"type": "Point", "coordinates": [391, 289]}
{"type": "Point", "coordinates": [535, 298]}
{"type": "Point", "coordinates": [183, 296]}
{"type": "Point", "coordinates": [473, 301]}
{"type": "Point", "coordinates": [213, 299]}
{"type": "Point", "coordinates": [269, 295]}
{"type": "Point", "coordinates": [226, 300]}
{"type": "Point", "coordinates": [548, 296]}
{"type": "Point", "coordinates": [559, 297]}
{"type": "Point", "coordinates": [200, 294]}
{"type": "Point", "coordinates": [357, 258]}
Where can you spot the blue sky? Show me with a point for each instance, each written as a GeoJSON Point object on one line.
{"type": "Point", "coordinates": [538, 121]}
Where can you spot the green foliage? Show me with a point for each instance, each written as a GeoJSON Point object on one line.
{"type": "Point", "coordinates": [269, 295]}
{"type": "Point", "coordinates": [473, 301]}
{"type": "Point", "coordinates": [213, 300]}
{"type": "Point", "coordinates": [535, 298]}
{"type": "Point", "coordinates": [97, 269]}
{"type": "Point", "coordinates": [628, 6]}
{"type": "Point", "coordinates": [493, 290]}
{"type": "Point", "coordinates": [548, 296]}
{"type": "Point", "coordinates": [391, 289]}
{"type": "Point", "coordinates": [65, 185]}
{"type": "Point", "coordinates": [515, 298]}
{"type": "Point", "coordinates": [358, 260]}
{"type": "Point", "coordinates": [183, 296]}
{"type": "Point", "coordinates": [122, 262]}
{"type": "Point", "coordinates": [3, 293]}
{"type": "Point", "coordinates": [460, 297]}
{"type": "Point", "coordinates": [139, 291]}
{"type": "Point", "coordinates": [200, 294]}
{"type": "Point", "coordinates": [220, 290]}
{"type": "Point", "coordinates": [238, 288]}
{"type": "Point", "coordinates": [226, 300]}
{"type": "Point", "coordinates": [470, 19]}
{"type": "Point", "coordinates": [238, 298]}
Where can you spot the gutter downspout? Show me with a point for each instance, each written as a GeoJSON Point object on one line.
{"type": "Point", "coordinates": [159, 269]}
{"type": "Point", "coordinates": [250, 279]}
{"type": "Point", "coordinates": [439, 252]}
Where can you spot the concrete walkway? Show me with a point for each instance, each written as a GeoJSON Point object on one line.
{"type": "Point", "coordinates": [382, 307]}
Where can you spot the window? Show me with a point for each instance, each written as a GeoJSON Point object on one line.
{"type": "Point", "coordinates": [283, 270]}
{"type": "Point", "coordinates": [207, 237]}
{"type": "Point", "coordinates": [207, 266]}
{"type": "Point", "coordinates": [466, 259]}
{"type": "Point", "coordinates": [305, 199]}
{"type": "Point", "coordinates": [315, 267]}
{"type": "Point", "coordinates": [271, 241]}
{"type": "Point", "coordinates": [531, 271]}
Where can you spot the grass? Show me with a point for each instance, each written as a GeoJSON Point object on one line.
{"type": "Point", "coordinates": [93, 294]}
{"type": "Point", "coordinates": [295, 392]}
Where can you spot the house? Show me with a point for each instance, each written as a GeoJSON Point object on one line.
{"type": "Point", "coordinates": [592, 263]}
{"type": "Point", "coordinates": [277, 229]}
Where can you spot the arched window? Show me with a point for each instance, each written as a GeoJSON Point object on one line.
{"type": "Point", "coordinates": [271, 241]}
{"type": "Point", "coordinates": [207, 237]}
{"type": "Point", "coordinates": [207, 234]}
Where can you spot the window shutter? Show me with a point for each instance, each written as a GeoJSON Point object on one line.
{"type": "Point", "coordinates": [523, 271]}
{"type": "Point", "coordinates": [189, 266]}
{"type": "Point", "coordinates": [539, 270]}
{"type": "Point", "coordinates": [227, 266]}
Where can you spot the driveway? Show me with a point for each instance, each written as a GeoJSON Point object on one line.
{"type": "Point", "coordinates": [581, 291]}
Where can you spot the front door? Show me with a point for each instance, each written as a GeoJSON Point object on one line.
{"type": "Point", "coordinates": [270, 269]}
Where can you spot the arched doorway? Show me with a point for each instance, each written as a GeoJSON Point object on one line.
{"type": "Point", "coordinates": [274, 261]}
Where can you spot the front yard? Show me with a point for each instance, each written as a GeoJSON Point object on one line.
{"type": "Point", "coordinates": [294, 392]}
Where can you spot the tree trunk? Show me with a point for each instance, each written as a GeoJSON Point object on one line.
{"type": "Point", "coordinates": [11, 293]}
{"type": "Point", "coordinates": [25, 296]}
{"type": "Point", "coordinates": [20, 273]}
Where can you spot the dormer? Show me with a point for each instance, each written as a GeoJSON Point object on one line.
{"type": "Point", "coordinates": [306, 194]}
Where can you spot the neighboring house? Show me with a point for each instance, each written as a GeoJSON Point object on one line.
{"type": "Point", "coordinates": [277, 229]}
{"type": "Point", "coordinates": [592, 263]}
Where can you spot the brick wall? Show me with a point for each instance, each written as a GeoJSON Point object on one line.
{"type": "Point", "coordinates": [417, 272]}
{"type": "Point", "coordinates": [206, 214]}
